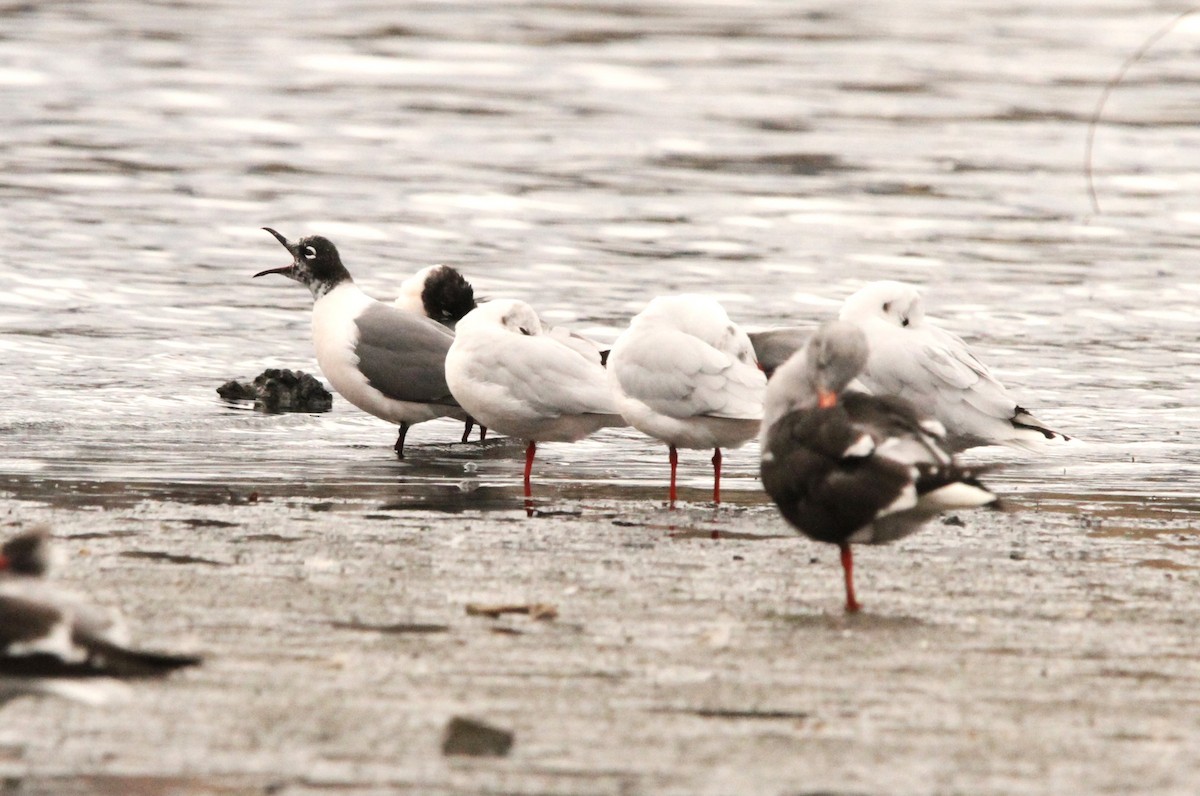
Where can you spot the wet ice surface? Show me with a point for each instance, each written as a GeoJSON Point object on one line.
{"type": "Point", "coordinates": [588, 158]}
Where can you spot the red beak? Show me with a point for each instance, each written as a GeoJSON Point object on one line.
{"type": "Point", "coordinates": [826, 400]}
{"type": "Point", "coordinates": [5, 562]}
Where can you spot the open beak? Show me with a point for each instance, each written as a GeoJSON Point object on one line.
{"type": "Point", "coordinates": [826, 399]}
{"type": "Point", "coordinates": [288, 270]}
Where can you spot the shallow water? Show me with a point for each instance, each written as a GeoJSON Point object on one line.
{"type": "Point", "coordinates": [777, 155]}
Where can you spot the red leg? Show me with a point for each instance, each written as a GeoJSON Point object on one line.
{"type": "Point", "coordinates": [716, 460]}
{"type": "Point", "coordinates": [530, 452]}
{"type": "Point", "coordinates": [852, 605]}
{"type": "Point", "coordinates": [674, 457]}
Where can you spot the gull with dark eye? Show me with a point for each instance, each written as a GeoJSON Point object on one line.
{"type": "Point", "coordinates": [517, 377]}
{"type": "Point", "coordinates": [934, 369]}
{"type": "Point", "coordinates": [848, 468]}
{"type": "Point", "coordinates": [387, 362]}
{"type": "Point", "coordinates": [685, 374]}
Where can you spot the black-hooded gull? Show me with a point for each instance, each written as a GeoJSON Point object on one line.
{"type": "Point", "coordinates": [512, 375]}
{"type": "Point", "coordinates": [442, 293]}
{"type": "Point", "coordinates": [386, 361]}
{"type": "Point", "coordinates": [934, 369]}
{"type": "Point", "coordinates": [845, 467]}
{"type": "Point", "coordinates": [685, 374]}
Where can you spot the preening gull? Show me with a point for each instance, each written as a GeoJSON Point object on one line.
{"type": "Point", "coordinates": [845, 467]}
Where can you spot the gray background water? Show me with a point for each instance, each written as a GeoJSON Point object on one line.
{"type": "Point", "coordinates": [586, 157]}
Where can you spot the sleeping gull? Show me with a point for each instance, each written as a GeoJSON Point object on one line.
{"type": "Point", "coordinates": [442, 293]}
{"type": "Point", "coordinates": [685, 374]}
{"type": "Point", "coordinates": [514, 376]}
{"type": "Point", "coordinates": [845, 467]}
{"type": "Point", "coordinates": [916, 360]}
{"type": "Point", "coordinates": [387, 362]}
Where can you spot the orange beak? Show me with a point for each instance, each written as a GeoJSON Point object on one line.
{"type": "Point", "coordinates": [826, 400]}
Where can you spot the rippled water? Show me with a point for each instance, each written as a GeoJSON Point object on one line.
{"type": "Point", "coordinates": [587, 157]}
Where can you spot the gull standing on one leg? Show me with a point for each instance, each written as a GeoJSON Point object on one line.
{"type": "Point", "coordinates": [845, 467]}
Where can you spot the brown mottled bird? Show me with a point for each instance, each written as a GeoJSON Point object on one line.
{"type": "Point", "coordinates": [845, 467]}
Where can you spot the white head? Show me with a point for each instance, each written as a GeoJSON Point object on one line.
{"type": "Point", "coordinates": [894, 302]}
{"type": "Point", "coordinates": [816, 376]}
{"type": "Point", "coordinates": [511, 315]}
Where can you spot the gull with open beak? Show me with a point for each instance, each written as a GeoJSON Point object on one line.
{"type": "Point", "coordinates": [386, 361]}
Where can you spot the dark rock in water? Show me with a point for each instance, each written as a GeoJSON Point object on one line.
{"type": "Point", "coordinates": [476, 739]}
{"type": "Point", "coordinates": [278, 390]}
{"type": "Point", "coordinates": [236, 391]}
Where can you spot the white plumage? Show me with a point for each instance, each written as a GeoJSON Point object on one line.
{"type": "Point", "coordinates": [514, 377]}
{"type": "Point", "coordinates": [935, 370]}
{"type": "Point", "coordinates": [685, 374]}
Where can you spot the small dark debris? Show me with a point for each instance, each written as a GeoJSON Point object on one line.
{"type": "Point", "coordinates": [807, 164]}
{"type": "Point", "coordinates": [396, 629]}
{"type": "Point", "coordinates": [953, 519]}
{"type": "Point", "coordinates": [158, 555]}
{"type": "Point", "coordinates": [99, 535]}
{"type": "Point", "coordinates": [200, 522]}
{"type": "Point", "coordinates": [1017, 555]}
{"type": "Point", "coordinates": [773, 715]}
{"type": "Point", "coordinates": [504, 630]}
{"type": "Point", "coordinates": [269, 537]}
{"type": "Point", "coordinates": [475, 739]}
{"type": "Point", "coordinates": [327, 506]}
{"type": "Point", "coordinates": [626, 524]}
{"type": "Point", "coordinates": [278, 390]}
{"type": "Point", "coordinates": [534, 610]}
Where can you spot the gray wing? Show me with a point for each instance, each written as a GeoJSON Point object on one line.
{"type": "Point", "coordinates": [773, 347]}
{"type": "Point", "coordinates": [403, 355]}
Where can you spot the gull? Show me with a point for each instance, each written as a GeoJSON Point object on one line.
{"type": "Point", "coordinates": [388, 362]}
{"type": "Point", "coordinates": [917, 360]}
{"type": "Point", "coordinates": [515, 376]}
{"type": "Point", "coordinates": [442, 293]}
{"type": "Point", "coordinates": [846, 467]}
{"type": "Point", "coordinates": [54, 642]}
{"type": "Point", "coordinates": [685, 374]}
{"type": "Point", "coordinates": [439, 292]}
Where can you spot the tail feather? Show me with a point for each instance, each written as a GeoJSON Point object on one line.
{"type": "Point", "coordinates": [1023, 420]}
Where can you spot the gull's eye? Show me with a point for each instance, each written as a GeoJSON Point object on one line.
{"type": "Point", "coordinates": [887, 306]}
{"type": "Point", "coordinates": [904, 321]}
{"type": "Point", "coordinates": [310, 253]}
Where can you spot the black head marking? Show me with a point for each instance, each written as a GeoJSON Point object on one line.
{"type": "Point", "coordinates": [447, 295]}
{"type": "Point", "coordinates": [315, 263]}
